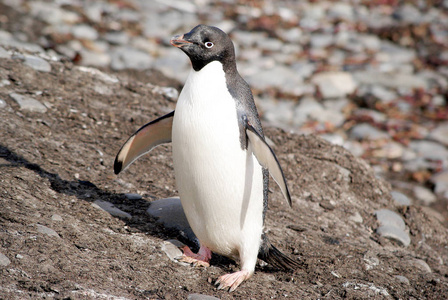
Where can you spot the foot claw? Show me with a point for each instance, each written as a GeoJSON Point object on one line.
{"type": "Point", "coordinates": [232, 281]}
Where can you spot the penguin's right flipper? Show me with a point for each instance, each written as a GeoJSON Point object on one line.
{"type": "Point", "coordinates": [144, 140]}
{"type": "Point", "coordinates": [267, 159]}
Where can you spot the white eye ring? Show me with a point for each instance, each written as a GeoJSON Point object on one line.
{"type": "Point", "coordinates": [209, 45]}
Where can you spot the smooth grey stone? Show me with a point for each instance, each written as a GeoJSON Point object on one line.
{"type": "Point", "coordinates": [201, 297]}
{"type": "Point", "coordinates": [391, 80]}
{"type": "Point", "coordinates": [28, 103]}
{"type": "Point", "coordinates": [111, 209]}
{"type": "Point", "coordinates": [117, 38]}
{"type": "Point", "coordinates": [45, 230]}
{"type": "Point", "coordinates": [424, 195]}
{"type": "Point", "coordinates": [334, 84]}
{"type": "Point", "coordinates": [402, 279]}
{"type": "Point", "coordinates": [356, 217]}
{"type": "Point", "coordinates": [370, 41]}
{"type": "Point", "coordinates": [133, 196]}
{"type": "Point", "coordinates": [354, 147]}
{"type": "Point", "coordinates": [395, 54]}
{"type": "Point", "coordinates": [170, 213]}
{"type": "Point", "coordinates": [83, 31]}
{"type": "Point", "coordinates": [387, 217]}
{"type": "Point", "coordinates": [4, 260]}
{"type": "Point", "coordinates": [392, 226]}
{"type": "Point", "coordinates": [394, 233]}
{"type": "Point", "coordinates": [400, 198]}
{"type": "Point", "coordinates": [171, 249]}
{"type": "Point", "coordinates": [440, 181]}
{"type": "Point", "coordinates": [366, 131]}
{"type": "Point", "coordinates": [293, 35]}
{"type": "Point", "coordinates": [303, 69]}
{"type": "Point", "coordinates": [341, 10]}
{"type": "Point", "coordinates": [56, 217]}
{"type": "Point", "coordinates": [37, 63]}
{"type": "Point", "coordinates": [408, 13]}
{"type": "Point", "coordinates": [383, 94]}
{"type": "Point", "coordinates": [130, 58]}
{"type": "Point", "coordinates": [96, 59]}
{"type": "Point", "coordinates": [2, 103]}
{"type": "Point", "coordinates": [421, 265]}
{"type": "Point", "coordinates": [440, 133]}
{"type": "Point", "coordinates": [429, 150]}
{"type": "Point", "coordinates": [321, 40]}
{"type": "Point", "coordinates": [279, 76]}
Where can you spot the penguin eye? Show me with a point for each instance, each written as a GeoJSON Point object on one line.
{"type": "Point", "coordinates": [208, 45]}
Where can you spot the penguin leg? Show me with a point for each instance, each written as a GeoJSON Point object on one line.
{"type": "Point", "coordinates": [201, 259]}
{"type": "Point", "coordinates": [248, 259]}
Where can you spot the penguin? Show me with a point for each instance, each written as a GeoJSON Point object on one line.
{"type": "Point", "coordinates": [220, 156]}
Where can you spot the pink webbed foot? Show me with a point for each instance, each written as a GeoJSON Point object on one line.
{"type": "Point", "coordinates": [233, 280]}
{"type": "Point", "coordinates": [201, 259]}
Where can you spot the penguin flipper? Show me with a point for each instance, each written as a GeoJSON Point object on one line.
{"type": "Point", "coordinates": [266, 157]}
{"type": "Point", "coordinates": [144, 140]}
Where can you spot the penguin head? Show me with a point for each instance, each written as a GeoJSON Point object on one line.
{"type": "Point", "coordinates": [204, 44]}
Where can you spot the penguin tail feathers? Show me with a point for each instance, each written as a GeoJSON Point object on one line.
{"type": "Point", "coordinates": [270, 254]}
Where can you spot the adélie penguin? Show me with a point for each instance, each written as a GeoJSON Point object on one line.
{"type": "Point", "coordinates": [221, 159]}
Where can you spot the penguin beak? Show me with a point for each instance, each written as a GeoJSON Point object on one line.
{"type": "Point", "coordinates": [179, 41]}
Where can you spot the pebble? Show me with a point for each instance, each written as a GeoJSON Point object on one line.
{"type": "Point", "coordinates": [117, 38]}
{"type": "Point", "coordinates": [45, 230]}
{"type": "Point", "coordinates": [400, 198]}
{"type": "Point", "coordinates": [421, 265]}
{"type": "Point", "coordinates": [171, 249]}
{"type": "Point", "coordinates": [366, 131]}
{"type": "Point", "coordinates": [201, 297]}
{"type": "Point", "coordinates": [84, 32]}
{"type": "Point", "coordinates": [277, 77]}
{"type": "Point", "coordinates": [130, 58]}
{"type": "Point", "coordinates": [96, 59]}
{"type": "Point", "coordinates": [440, 181]}
{"type": "Point", "coordinates": [111, 209]}
{"type": "Point", "coordinates": [170, 213]}
{"type": "Point", "coordinates": [4, 260]}
{"type": "Point", "coordinates": [429, 150]}
{"type": "Point", "coordinates": [440, 133]}
{"type": "Point", "coordinates": [56, 217]}
{"type": "Point", "coordinates": [390, 80]}
{"type": "Point", "coordinates": [28, 103]}
{"type": "Point", "coordinates": [2, 103]}
{"type": "Point", "coordinates": [334, 84]}
{"type": "Point", "coordinates": [356, 217]}
{"type": "Point", "coordinates": [392, 226]}
{"type": "Point", "coordinates": [402, 279]}
{"type": "Point", "coordinates": [132, 196]}
{"type": "Point", "coordinates": [424, 195]}
{"type": "Point", "coordinates": [37, 63]}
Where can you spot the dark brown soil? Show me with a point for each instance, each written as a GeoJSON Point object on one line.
{"type": "Point", "coordinates": [57, 163]}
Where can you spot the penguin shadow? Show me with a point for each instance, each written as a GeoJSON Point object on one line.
{"type": "Point", "coordinates": [87, 191]}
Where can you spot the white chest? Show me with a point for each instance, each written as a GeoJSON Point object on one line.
{"type": "Point", "coordinates": [219, 183]}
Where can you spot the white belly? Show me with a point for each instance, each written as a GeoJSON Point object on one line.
{"type": "Point", "coordinates": [220, 185]}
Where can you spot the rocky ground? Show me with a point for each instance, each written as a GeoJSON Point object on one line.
{"type": "Point", "coordinates": [367, 77]}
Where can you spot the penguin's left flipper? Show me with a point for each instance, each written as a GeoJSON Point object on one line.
{"type": "Point", "coordinates": [267, 159]}
{"type": "Point", "coordinates": [144, 140]}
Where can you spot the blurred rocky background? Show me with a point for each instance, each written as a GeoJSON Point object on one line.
{"type": "Point", "coordinates": [370, 76]}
